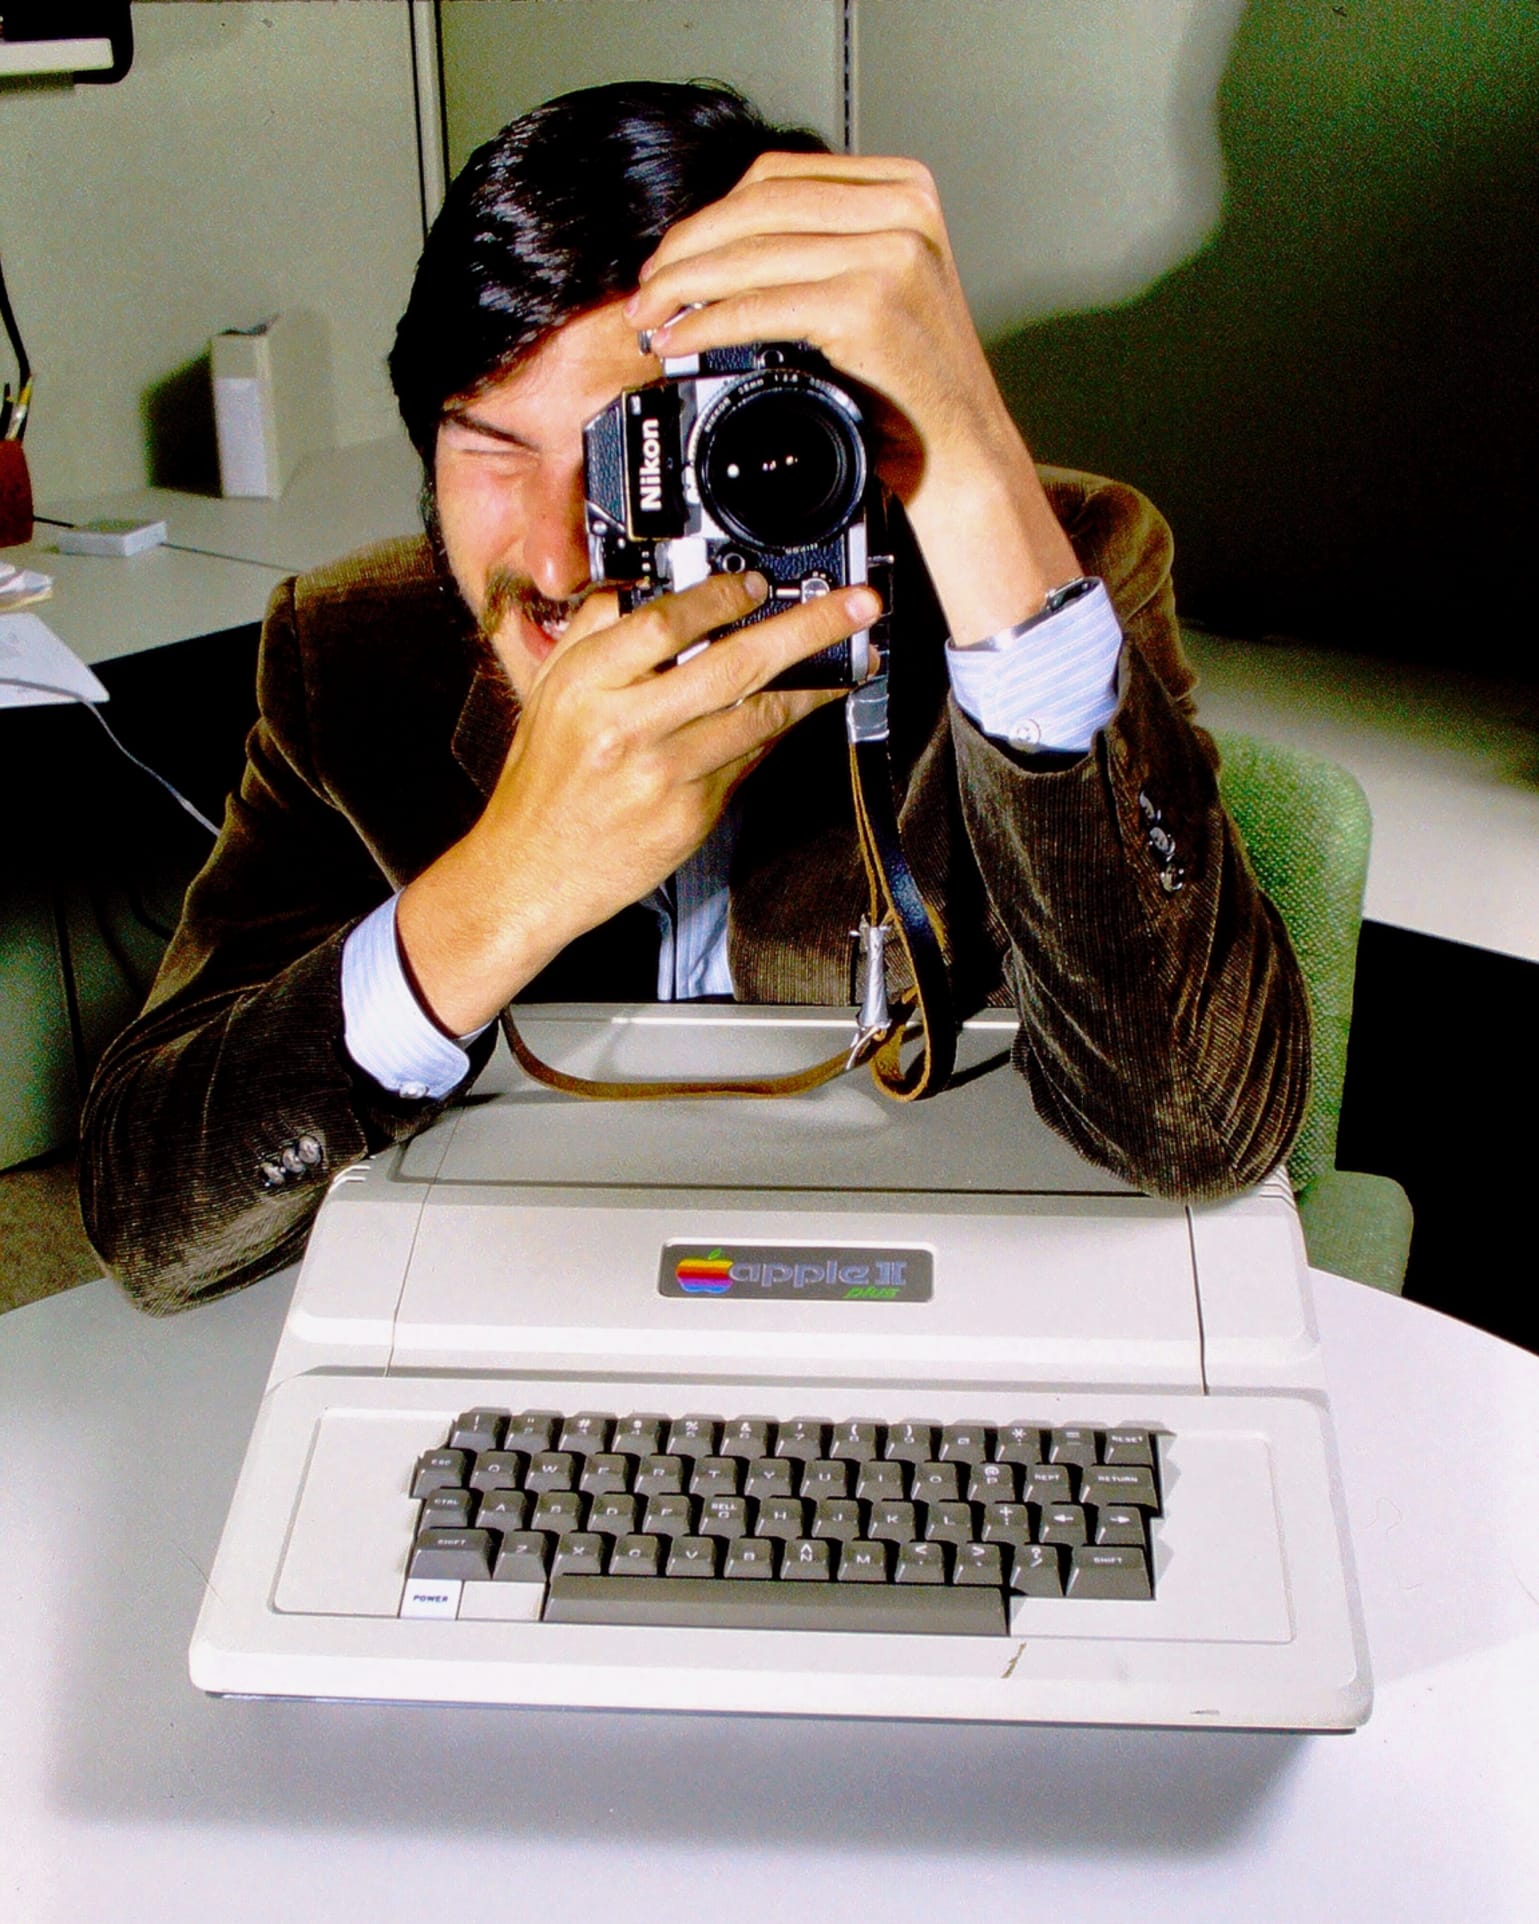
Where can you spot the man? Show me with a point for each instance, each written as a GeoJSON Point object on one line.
{"type": "Point", "coordinates": [469, 782]}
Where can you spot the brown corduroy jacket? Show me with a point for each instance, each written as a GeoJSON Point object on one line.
{"type": "Point", "coordinates": [1165, 1026]}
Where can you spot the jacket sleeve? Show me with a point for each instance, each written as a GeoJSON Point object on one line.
{"type": "Point", "coordinates": [186, 1190]}
{"type": "Point", "coordinates": [1165, 1021]}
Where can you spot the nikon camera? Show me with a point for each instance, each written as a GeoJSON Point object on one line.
{"type": "Point", "coordinates": [739, 458]}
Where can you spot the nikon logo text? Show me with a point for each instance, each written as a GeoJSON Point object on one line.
{"type": "Point", "coordinates": [649, 481]}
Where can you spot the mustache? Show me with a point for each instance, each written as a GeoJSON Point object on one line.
{"type": "Point", "coordinates": [509, 593]}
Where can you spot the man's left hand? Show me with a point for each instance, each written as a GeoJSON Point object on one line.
{"type": "Point", "coordinates": [850, 253]}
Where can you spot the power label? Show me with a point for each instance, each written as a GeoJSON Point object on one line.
{"type": "Point", "coordinates": [757, 1273]}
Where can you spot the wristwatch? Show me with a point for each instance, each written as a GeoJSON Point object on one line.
{"type": "Point", "coordinates": [1056, 600]}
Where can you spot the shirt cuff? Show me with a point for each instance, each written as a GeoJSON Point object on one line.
{"type": "Point", "coordinates": [385, 1029]}
{"type": "Point", "coordinates": [1053, 687]}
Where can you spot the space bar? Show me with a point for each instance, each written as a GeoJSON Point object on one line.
{"type": "Point", "coordinates": [736, 1603]}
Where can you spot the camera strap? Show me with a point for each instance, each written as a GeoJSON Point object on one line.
{"type": "Point", "coordinates": [895, 908]}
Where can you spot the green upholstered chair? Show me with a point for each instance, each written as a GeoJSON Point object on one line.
{"type": "Point", "coordinates": [1307, 826]}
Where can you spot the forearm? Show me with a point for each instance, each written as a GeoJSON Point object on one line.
{"type": "Point", "coordinates": [1165, 1025]}
{"type": "Point", "coordinates": [214, 1125]}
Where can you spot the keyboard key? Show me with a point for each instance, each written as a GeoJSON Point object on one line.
{"type": "Point", "coordinates": [750, 1557]}
{"type": "Point", "coordinates": [903, 1610]}
{"type": "Point", "coordinates": [639, 1435]}
{"type": "Point", "coordinates": [716, 1476]}
{"type": "Point", "coordinates": [964, 1443]}
{"type": "Point", "coordinates": [1061, 1523]}
{"type": "Point", "coordinates": [503, 1510]}
{"type": "Point", "coordinates": [803, 1437]}
{"type": "Point", "coordinates": [1007, 1523]}
{"type": "Point", "coordinates": [724, 1516]}
{"type": "Point", "coordinates": [606, 1471]}
{"type": "Point", "coordinates": [770, 1476]}
{"type": "Point", "coordinates": [479, 1429]}
{"type": "Point", "coordinates": [856, 1440]}
{"type": "Point", "coordinates": [532, 1431]}
{"type": "Point", "coordinates": [693, 1436]}
{"type": "Point", "coordinates": [693, 1557]}
{"type": "Point", "coordinates": [807, 1560]}
{"type": "Point", "coordinates": [1120, 1483]}
{"type": "Point", "coordinates": [447, 1510]}
{"type": "Point", "coordinates": [1128, 1446]}
{"type": "Point", "coordinates": [782, 1516]}
{"type": "Point", "coordinates": [431, 1597]}
{"type": "Point", "coordinates": [580, 1555]}
{"type": "Point", "coordinates": [523, 1558]}
{"type": "Point", "coordinates": [660, 1476]}
{"type": "Point", "coordinates": [451, 1553]}
{"type": "Point", "coordinates": [636, 1556]}
{"type": "Point", "coordinates": [864, 1562]}
{"type": "Point", "coordinates": [614, 1513]}
{"type": "Point", "coordinates": [551, 1470]}
{"type": "Point", "coordinates": [748, 1437]}
{"type": "Point", "coordinates": [837, 1518]}
{"type": "Point", "coordinates": [949, 1523]}
{"type": "Point", "coordinates": [992, 1483]}
{"type": "Point", "coordinates": [1044, 1483]}
{"type": "Point", "coordinates": [587, 1433]}
{"type": "Point", "coordinates": [911, 1442]}
{"type": "Point", "coordinates": [1075, 1445]}
{"type": "Point", "coordinates": [979, 1563]}
{"type": "Point", "coordinates": [558, 1512]}
{"type": "Point", "coordinates": [669, 1516]}
{"type": "Point", "coordinates": [439, 1470]}
{"type": "Point", "coordinates": [893, 1522]}
{"type": "Point", "coordinates": [499, 1470]}
{"type": "Point", "coordinates": [1115, 1523]}
{"type": "Point", "coordinates": [1019, 1443]}
{"type": "Point", "coordinates": [936, 1483]}
{"type": "Point", "coordinates": [1108, 1572]}
{"type": "Point", "coordinates": [920, 1563]}
{"type": "Point", "coordinates": [1035, 1571]}
{"type": "Point", "coordinates": [881, 1482]}
{"type": "Point", "coordinates": [826, 1478]}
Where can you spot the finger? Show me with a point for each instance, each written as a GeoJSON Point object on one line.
{"type": "Point", "coordinates": [643, 641]}
{"type": "Point", "coordinates": [741, 664]}
{"type": "Point", "coordinates": [758, 261]}
{"type": "Point", "coordinates": [802, 204]}
{"type": "Point", "coordinates": [726, 746]}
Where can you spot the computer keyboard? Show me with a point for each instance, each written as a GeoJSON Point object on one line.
{"type": "Point", "coordinates": [748, 1522]}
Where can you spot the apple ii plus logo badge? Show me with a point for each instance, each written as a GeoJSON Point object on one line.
{"type": "Point", "coordinates": [755, 1273]}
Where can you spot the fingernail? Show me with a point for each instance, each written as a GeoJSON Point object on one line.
{"type": "Point", "coordinates": [631, 306]}
{"type": "Point", "coordinates": [864, 604]}
{"type": "Point", "coordinates": [756, 585]}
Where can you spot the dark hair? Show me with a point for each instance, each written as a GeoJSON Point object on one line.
{"type": "Point", "coordinates": [556, 215]}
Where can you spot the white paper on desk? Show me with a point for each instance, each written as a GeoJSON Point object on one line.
{"type": "Point", "coordinates": [30, 651]}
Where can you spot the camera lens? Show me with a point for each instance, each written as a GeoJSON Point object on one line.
{"type": "Point", "coordinates": [780, 464]}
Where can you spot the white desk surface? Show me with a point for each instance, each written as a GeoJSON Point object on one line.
{"type": "Point", "coordinates": [335, 502]}
{"type": "Point", "coordinates": [126, 1795]}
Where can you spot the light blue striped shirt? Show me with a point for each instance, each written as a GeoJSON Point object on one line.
{"type": "Point", "coordinates": [1051, 688]}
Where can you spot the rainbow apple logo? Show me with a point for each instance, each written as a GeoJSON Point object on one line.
{"type": "Point", "coordinates": [704, 1275]}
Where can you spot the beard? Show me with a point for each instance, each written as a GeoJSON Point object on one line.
{"type": "Point", "coordinates": [507, 592]}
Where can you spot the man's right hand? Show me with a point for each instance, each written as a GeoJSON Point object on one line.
{"type": "Point", "coordinates": [616, 774]}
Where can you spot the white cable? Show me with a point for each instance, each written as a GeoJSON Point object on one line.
{"type": "Point", "coordinates": [71, 694]}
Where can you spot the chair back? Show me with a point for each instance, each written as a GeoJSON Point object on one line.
{"type": "Point", "coordinates": [1306, 825]}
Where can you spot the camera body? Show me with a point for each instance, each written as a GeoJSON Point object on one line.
{"type": "Point", "coordinates": [740, 458]}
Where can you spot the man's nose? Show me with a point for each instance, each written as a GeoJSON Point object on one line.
{"type": "Point", "coordinates": [556, 543]}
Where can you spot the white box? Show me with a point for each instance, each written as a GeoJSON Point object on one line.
{"type": "Point", "coordinates": [272, 401]}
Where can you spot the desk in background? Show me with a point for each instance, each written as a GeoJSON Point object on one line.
{"type": "Point", "coordinates": [99, 856]}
